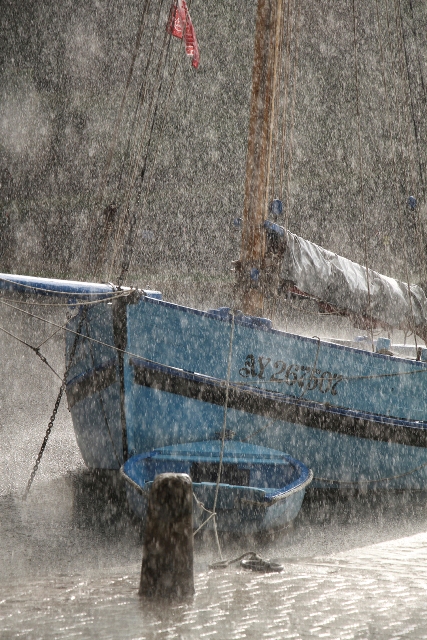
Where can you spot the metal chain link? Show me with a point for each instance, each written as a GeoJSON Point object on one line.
{"type": "Point", "coordinates": [56, 407]}
{"type": "Point", "coordinates": [44, 443]}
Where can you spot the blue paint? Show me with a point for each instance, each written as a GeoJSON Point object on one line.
{"type": "Point", "coordinates": [157, 295]}
{"type": "Point", "coordinates": [276, 207]}
{"type": "Point", "coordinates": [53, 287]}
{"type": "Point", "coordinates": [273, 228]}
{"type": "Point", "coordinates": [271, 498]}
{"type": "Point", "coordinates": [412, 203]}
{"type": "Point", "coordinates": [96, 419]}
{"type": "Point", "coordinates": [197, 342]}
{"type": "Point", "coordinates": [252, 321]}
{"type": "Point", "coordinates": [383, 344]}
{"type": "Point", "coordinates": [254, 274]}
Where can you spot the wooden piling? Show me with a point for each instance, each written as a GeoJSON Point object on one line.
{"type": "Point", "coordinates": [167, 559]}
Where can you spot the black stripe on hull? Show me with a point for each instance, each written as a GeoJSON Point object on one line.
{"type": "Point", "coordinates": [279, 407]}
{"type": "Point", "coordinates": [91, 382]}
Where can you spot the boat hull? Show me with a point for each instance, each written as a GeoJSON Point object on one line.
{"type": "Point", "coordinates": [356, 418]}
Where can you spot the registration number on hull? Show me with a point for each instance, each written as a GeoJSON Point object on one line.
{"type": "Point", "coordinates": [308, 378]}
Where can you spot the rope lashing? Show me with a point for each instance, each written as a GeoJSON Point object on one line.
{"type": "Point", "coordinates": [35, 349]}
{"type": "Point", "coordinates": [362, 190]}
{"type": "Point", "coordinates": [224, 429]}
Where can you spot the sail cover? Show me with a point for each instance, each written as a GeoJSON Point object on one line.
{"type": "Point", "coordinates": [342, 283]}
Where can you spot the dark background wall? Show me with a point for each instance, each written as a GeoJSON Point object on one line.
{"type": "Point", "coordinates": [62, 73]}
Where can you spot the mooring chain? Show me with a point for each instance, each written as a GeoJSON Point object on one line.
{"type": "Point", "coordinates": [56, 407]}
{"type": "Point", "coordinates": [46, 438]}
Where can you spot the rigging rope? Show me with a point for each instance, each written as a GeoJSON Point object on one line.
{"type": "Point", "coordinates": [285, 97]}
{"type": "Point", "coordinates": [396, 184]}
{"type": "Point", "coordinates": [140, 103]}
{"type": "Point", "coordinates": [422, 160]}
{"type": "Point", "coordinates": [137, 116]}
{"type": "Point", "coordinates": [125, 208]}
{"type": "Point", "coordinates": [362, 193]}
{"type": "Point", "coordinates": [420, 67]}
{"type": "Point", "coordinates": [291, 135]}
{"type": "Point", "coordinates": [52, 335]}
{"type": "Point", "coordinates": [409, 164]}
{"type": "Point", "coordinates": [118, 120]}
{"type": "Point", "coordinates": [411, 107]}
{"type": "Point", "coordinates": [35, 349]}
{"type": "Point", "coordinates": [135, 222]}
{"type": "Point", "coordinates": [404, 65]}
{"type": "Point", "coordinates": [128, 245]}
{"type": "Point", "coordinates": [400, 135]}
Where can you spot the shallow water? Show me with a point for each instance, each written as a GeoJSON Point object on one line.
{"type": "Point", "coordinates": [70, 561]}
{"type": "Point", "coordinates": [70, 556]}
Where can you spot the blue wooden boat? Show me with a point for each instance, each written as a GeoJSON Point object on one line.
{"type": "Point", "coordinates": [261, 489]}
{"type": "Point", "coordinates": [360, 420]}
{"type": "Point", "coordinates": [147, 373]}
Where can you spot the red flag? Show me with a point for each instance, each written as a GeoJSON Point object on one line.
{"type": "Point", "coordinates": [177, 19]}
{"type": "Point", "coordinates": [180, 26]}
{"type": "Point", "coordinates": [191, 45]}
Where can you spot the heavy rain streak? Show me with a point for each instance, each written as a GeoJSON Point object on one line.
{"type": "Point", "coordinates": [213, 262]}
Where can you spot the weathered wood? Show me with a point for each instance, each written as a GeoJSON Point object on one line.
{"type": "Point", "coordinates": [167, 561]}
{"type": "Point", "coordinates": [264, 74]}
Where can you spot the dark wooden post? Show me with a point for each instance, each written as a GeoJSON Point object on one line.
{"type": "Point", "coordinates": [167, 560]}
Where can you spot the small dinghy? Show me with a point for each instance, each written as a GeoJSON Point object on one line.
{"type": "Point", "coordinates": [260, 490]}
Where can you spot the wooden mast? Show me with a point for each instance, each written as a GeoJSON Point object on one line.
{"type": "Point", "coordinates": [264, 80]}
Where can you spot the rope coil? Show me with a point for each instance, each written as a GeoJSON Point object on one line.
{"type": "Point", "coordinates": [250, 561]}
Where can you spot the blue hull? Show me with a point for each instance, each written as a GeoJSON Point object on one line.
{"type": "Point", "coordinates": [251, 497]}
{"type": "Point", "coordinates": [152, 374]}
{"type": "Point", "coordinates": [356, 418]}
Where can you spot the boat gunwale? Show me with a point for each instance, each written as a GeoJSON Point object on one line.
{"type": "Point", "coordinates": [245, 322]}
{"type": "Point", "coordinates": [270, 496]}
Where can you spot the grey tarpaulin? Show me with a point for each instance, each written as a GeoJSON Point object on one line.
{"type": "Point", "coordinates": [342, 283]}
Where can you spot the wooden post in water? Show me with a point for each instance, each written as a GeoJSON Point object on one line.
{"type": "Point", "coordinates": [167, 560]}
{"type": "Point", "coordinates": [264, 83]}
